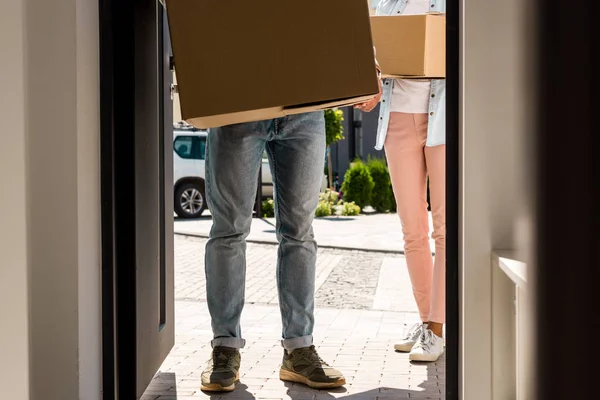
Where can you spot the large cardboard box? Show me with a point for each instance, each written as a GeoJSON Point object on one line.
{"type": "Point", "coordinates": [240, 60]}
{"type": "Point", "coordinates": [410, 46]}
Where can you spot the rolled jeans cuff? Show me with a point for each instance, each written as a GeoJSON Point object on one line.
{"type": "Point", "coordinates": [233, 342]}
{"type": "Point", "coordinates": [297, 343]}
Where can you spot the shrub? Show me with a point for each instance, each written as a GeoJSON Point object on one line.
{"type": "Point", "coordinates": [350, 209]}
{"type": "Point", "coordinates": [358, 184]}
{"type": "Point", "coordinates": [268, 208]}
{"type": "Point", "coordinates": [323, 209]}
{"type": "Point", "coordinates": [382, 190]}
{"type": "Point", "coordinates": [334, 132]}
{"type": "Point", "coordinates": [393, 205]}
{"type": "Point", "coordinates": [330, 196]}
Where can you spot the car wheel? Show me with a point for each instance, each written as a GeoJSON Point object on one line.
{"type": "Point", "coordinates": [190, 201]}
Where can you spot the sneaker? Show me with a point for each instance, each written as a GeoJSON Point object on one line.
{"type": "Point", "coordinates": [305, 366]}
{"type": "Point", "coordinates": [429, 347]}
{"type": "Point", "coordinates": [222, 370]}
{"type": "Point", "coordinates": [407, 343]}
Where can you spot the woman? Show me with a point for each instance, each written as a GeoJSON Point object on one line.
{"type": "Point", "coordinates": [412, 131]}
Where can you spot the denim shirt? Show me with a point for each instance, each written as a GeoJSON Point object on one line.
{"type": "Point", "coordinates": [436, 131]}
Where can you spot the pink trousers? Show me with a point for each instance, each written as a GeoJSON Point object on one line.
{"type": "Point", "coordinates": [411, 163]}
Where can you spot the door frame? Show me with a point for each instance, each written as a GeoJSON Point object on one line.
{"type": "Point", "coordinates": [117, 101]}
{"type": "Point", "coordinates": [452, 199]}
{"type": "Point", "coordinates": [123, 26]}
{"type": "Point", "coordinates": [117, 105]}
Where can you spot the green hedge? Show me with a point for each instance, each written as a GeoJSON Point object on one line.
{"type": "Point", "coordinates": [358, 184]}
{"type": "Point", "coordinates": [382, 196]}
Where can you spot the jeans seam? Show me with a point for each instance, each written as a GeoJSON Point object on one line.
{"type": "Point", "coordinates": [277, 219]}
{"type": "Point", "coordinates": [207, 172]}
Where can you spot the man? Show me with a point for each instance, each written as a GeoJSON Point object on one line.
{"type": "Point", "coordinates": [295, 146]}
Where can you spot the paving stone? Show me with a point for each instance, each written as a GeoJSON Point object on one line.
{"type": "Point", "coordinates": [348, 334]}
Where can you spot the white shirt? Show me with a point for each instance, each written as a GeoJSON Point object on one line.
{"type": "Point", "coordinates": [411, 95]}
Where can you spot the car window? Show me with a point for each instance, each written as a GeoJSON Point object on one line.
{"type": "Point", "coordinates": [199, 149]}
{"type": "Point", "coordinates": [190, 147]}
{"type": "Point", "coordinates": [183, 146]}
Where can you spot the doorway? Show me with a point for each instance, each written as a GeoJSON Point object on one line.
{"type": "Point", "coordinates": [139, 268]}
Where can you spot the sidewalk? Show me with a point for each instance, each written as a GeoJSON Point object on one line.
{"type": "Point", "coordinates": [345, 279]}
{"type": "Point", "coordinates": [358, 342]}
{"type": "Point", "coordinates": [364, 304]}
{"type": "Point", "coordinates": [377, 232]}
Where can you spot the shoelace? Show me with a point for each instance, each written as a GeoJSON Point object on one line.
{"type": "Point", "coordinates": [414, 332]}
{"type": "Point", "coordinates": [221, 359]}
{"type": "Point", "coordinates": [425, 340]}
{"type": "Point", "coordinates": [312, 355]}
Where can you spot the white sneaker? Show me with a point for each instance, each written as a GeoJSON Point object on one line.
{"type": "Point", "coordinates": [429, 347]}
{"type": "Point", "coordinates": [407, 343]}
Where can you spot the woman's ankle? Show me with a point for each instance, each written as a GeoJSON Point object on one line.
{"type": "Point", "coordinates": [437, 328]}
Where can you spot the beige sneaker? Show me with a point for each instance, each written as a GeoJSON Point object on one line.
{"type": "Point", "coordinates": [222, 371]}
{"type": "Point", "coordinates": [428, 348]}
{"type": "Point", "coordinates": [305, 366]}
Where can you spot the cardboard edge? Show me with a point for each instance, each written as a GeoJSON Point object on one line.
{"type": "Point", "coordinates": [390, 76]}
{"type": "Point", "coordinates": [429, 29]}
{"type": "Point", "coordinates": [271, 112]}
{"type": "Point", "coordinates": [236, 118]}
{"type": "Point", "coordinates": [327, 105]}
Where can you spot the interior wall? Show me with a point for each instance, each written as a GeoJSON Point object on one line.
{"type": "Point", "coordinates": [495, 123]}
{"type": "Point", "coordinates": [49, 203]}
{"type": "Point", "coordinates": [88, 199]}
{"type": "Point", "coordinates": [14, 302]}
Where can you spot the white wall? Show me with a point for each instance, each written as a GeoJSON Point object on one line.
{"type": "Point", "coordinates": [53, 157]}
{"type": "Point", "coordinates": [88, 204]}
{"type": "Point", "coordinates": [14, 328]}
{"type": "Point", "coordinates": [495, 125]}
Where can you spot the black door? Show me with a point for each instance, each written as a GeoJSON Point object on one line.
{"type": "Point", "coordinates": [137, 195]}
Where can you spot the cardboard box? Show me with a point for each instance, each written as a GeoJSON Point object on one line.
{"type": "Point", "coordinates": [241, 61]}
{"type": "Point", "coordinates": [411, 46]}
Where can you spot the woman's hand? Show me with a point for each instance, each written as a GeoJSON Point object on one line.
{"type": "Point", "coordinates": [371, 104]}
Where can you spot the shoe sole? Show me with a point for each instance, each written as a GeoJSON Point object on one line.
{"type": "Point", "coordinates": [423, 358]}
{"type": "Point", "coordinates": [405, 348]}
{"type": "Point", "coordinates": [215, 387]}
{"type": "Point", "coordinates": [290, 376]}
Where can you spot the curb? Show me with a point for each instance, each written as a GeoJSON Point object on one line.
{"type": "Point", "coordinates": [321, 246]}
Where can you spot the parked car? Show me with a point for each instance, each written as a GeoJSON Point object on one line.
{"type": "Point", "coordinates": [189, 151]}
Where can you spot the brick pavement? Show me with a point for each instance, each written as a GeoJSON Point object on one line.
{"type": "Point", "coordinates": [345, 278]}
{"type": "Point", "coordinates": [349, 334]}
{"type": "Point", "coordinates": [358, 342]}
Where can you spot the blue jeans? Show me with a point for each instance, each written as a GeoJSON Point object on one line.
{"type": "Point", "coordinates": [295, 146]}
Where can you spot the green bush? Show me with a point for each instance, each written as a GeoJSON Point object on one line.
{"type": "Point", "coordinates": [268, 208]}
{"type": "Point", "coordinates": [382, 190]}
{"type": "Point", "coordinates": [358, 184]}
{"type": "Point", "coordinates": [350, 209]}
{"type": "Point", "coordinates": [323, 209]}
{"type": "Point", "coordinates": [393, 206]}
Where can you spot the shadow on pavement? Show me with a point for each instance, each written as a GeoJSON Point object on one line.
{"type": "Point", "coordinates": [164, 387]}
{"type": "Point", "coordinates": [336, 219]}
{"type": "Point", "coordinates": [201, 218]}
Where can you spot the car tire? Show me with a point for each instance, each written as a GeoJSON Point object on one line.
{"type": "Point", "coordinates": [190, 200]}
